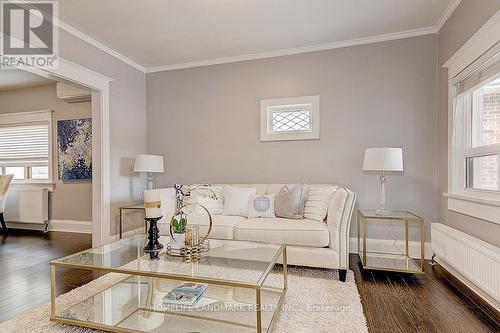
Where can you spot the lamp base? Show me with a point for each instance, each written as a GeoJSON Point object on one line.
{"type": "Point", "coordinates": [383, 212]}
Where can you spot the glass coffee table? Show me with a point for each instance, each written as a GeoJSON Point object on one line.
{"type": "Point", "coordinates": [242, 295]}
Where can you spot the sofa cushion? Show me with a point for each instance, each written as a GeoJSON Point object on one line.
{"type": "Point", "coordinates": [289, 202]}
{"type": "Point", "coordinates": [222, 225]}
{"type": "Point", "coordinates": [317, 202]}
{"type": "Point", "coordinates": [236, 200]}
{"type": "Point", "coordinates": [261, 205]}
{"type": "Point", "coordinates": [279, 230]}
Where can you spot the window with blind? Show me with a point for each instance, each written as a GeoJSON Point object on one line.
{"type": "Point", "coordinates": [476, 129]}
{"type": "Point", "coordinates": [25, 143]}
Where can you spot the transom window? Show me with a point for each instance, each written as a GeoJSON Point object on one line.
{"type": "Point", "coordinates": [294, 118]}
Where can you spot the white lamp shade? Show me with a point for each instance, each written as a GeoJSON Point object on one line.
{"type": "Point", "coordinates": [383, 159]}
{"type": "Point", "coordinates": [149, 163]}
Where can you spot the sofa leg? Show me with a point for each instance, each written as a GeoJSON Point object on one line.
{"type": "Point", "coordinates": [342, 274]}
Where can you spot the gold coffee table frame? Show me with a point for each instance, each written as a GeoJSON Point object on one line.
{"type": "Point", "coordinates": [258, 287]}
{"type": "Point", "coordinates": [408, 264]}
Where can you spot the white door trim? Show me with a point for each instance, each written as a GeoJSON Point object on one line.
{"type": "Point", "coordinates": [100, 144]}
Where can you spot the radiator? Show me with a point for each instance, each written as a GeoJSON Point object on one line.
{"type": "Point", "coordinates": [27, 205]}
{"type": "Point", "coordinates": [474, 259]}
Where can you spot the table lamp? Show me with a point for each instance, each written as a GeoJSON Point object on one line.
{"type": "Point", "coordinates": [149, 164]}
{"type": "Point", "coordinates": [384, 160]}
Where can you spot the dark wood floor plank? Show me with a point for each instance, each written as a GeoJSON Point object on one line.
{"type": "Point", "coordinates": [395, 302]}
{"type": "Point", "coordinates": [392, 303]}
{"type": "Point", "coordinates": [25, 272]}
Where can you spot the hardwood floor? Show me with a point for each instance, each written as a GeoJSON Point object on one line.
{"type": "Point", "coordinates": [25, 272]}
{"type": "Point", "coordinates": [392, 302]}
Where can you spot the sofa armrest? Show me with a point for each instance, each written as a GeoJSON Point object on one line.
{"type": "Point", "coordinates": [338, 221]}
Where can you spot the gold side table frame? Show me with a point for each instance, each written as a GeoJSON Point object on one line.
{"type": "Point", "coordinates": [133, 207]}
{"type": "Point", "coordinates": [399, 262]}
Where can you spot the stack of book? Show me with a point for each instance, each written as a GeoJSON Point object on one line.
{"type": "Point", "coordinates": [186, 293]}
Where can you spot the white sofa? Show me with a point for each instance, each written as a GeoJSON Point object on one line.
{"type": "Point", "coordinates": [309, 243]}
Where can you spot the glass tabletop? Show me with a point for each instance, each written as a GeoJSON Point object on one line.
{"type": "Point", "coordinates": [138, 205]}
{"type": "Point", "coordinates": [227, 260]}
{"type": "Point", "coordinates": [394, 215]}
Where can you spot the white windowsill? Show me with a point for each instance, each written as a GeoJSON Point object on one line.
{"type": "Point", "coordinates": [481, 208]}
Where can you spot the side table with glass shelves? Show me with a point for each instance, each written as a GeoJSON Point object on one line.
{"type": "Point", "coordinates": [139, 206]}
{"type": "Point", "coordinates": [399, 260]}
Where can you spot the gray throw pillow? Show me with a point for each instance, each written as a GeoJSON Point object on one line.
{"type": "Point", "coordinates": [290, 203]}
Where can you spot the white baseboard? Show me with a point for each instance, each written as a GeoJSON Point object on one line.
{"type": "Point", "coordinates": [387, 245]}
{"type": "Point", "coordinates": [25, 225]}
{"type": "Point", "coordinates": [81, 227]}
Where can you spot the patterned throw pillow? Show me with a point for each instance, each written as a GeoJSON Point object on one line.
{"type": "Point", "coordinates": [207, 195]}
{"type": "Point", "coordinates": [261, 206]}
{"type": "Point", "coordinates": [290, 203]}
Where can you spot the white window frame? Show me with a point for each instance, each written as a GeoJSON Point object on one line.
{"type": "Point", "coordinates": [20, 118]}
{"type": "Point", "coordinates": [268, 106]}
{"type": "Point", "coordinates": [482, 204]}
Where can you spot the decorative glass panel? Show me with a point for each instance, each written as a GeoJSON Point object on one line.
{"type": "Point", "coordinates": [291, 121]}
{"type": "Point", "coordinates": [482, 172]}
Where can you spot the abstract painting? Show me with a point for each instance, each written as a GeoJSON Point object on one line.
{"type": "Point", "coordinates": [74, 146]}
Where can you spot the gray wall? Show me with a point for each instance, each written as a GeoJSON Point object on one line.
{"type": "Point", "coordinates": [70, 200]}
{"type": "Point", "coordinates": [467, 18]}
{"type": "Point", "coordinates": [205, 121]}
{"type": "Point", "coordinates": [127, 117]}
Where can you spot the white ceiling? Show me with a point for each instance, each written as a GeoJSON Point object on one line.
{"type": "Point", "coordinates": [16, 78]}
{"type": "Point", "coordinates": [155, 33]}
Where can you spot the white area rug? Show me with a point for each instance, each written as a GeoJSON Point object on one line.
{"type": "Point", "coordinates": [316, 301]}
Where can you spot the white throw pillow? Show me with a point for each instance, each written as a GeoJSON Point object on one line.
{"type": "Point", "coordinates": [211, 197]}
{"type": "Point", "coordinates": [236, 200]}
{"type": "Point", "coordinates": [261, 206]}
{"type": "Point", "coordinates": [317, 202]}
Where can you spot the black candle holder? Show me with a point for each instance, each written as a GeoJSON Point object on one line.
{"type": "Point", "coordinates": [154, 246]}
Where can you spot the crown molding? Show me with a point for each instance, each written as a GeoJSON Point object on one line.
{"type": "Point", "coordinates": [447, 13]}
{"type": "Point", "coordinates": [261, 55]}
{"type": "Point", "coordinates": [89, 40]}
{"type": "Point", "coordinates": [297, 50]}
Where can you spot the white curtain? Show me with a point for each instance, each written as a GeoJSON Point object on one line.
{"type": "Point", "coordinates": [462, 105]}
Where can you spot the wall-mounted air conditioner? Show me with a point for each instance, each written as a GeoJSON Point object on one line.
{"type": "Point", "coordinates": [72, 94]}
